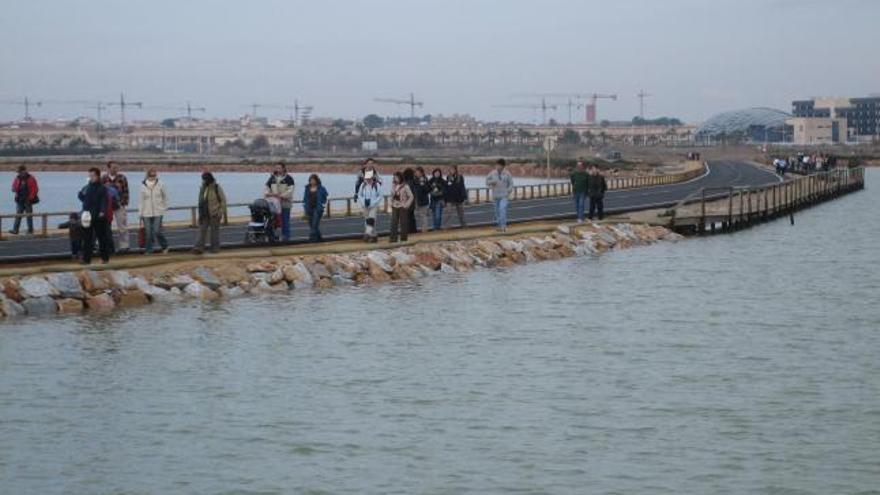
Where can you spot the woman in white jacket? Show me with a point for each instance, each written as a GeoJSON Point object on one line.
{"type": "Point", "coordinates": [152, 205]}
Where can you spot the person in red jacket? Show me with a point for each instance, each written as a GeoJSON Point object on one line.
{"type": "Point", "coordinates": [25, 189]}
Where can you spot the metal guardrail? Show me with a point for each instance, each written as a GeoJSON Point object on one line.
{"type": "Point", "coordinates": [346, 206]}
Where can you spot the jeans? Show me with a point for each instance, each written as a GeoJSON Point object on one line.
{"type": "Point", "coordinates": [399, 224]}
{"type": "Point", "coordinates": [153, 230]}
{"type": "Point", "coordinates": [597, 203]}
{"type": "Point", "coordinates": [75, 247]}
{"type": "Point", "coordinates": [213, 224]}
{"type": "Point", "coordinates": [100, 231]}
{"type": "Point", "coordinates": [120, 217]}
{"type": "Point", "coordinates": [459, 210]}
{"type": "Point", "coordinates": [21, 208]}
{"type": "Point", "coordinates": [315, 225]}
{"type": "Point", "coordinates": [501, 212]}
{"type": "Point", "coordinates": [437, 214]}
{"type": "Point", "coordinates": [370, 214]}
{"type": "Point", "coordinates": [580, 203]}
{"type": "Point", "coordinates": [423, 218]}
{"type": "Point", "coordinates": [285, 224]}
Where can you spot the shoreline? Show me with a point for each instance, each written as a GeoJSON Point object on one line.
{"type": "Point", "coordinates": [60, 289]}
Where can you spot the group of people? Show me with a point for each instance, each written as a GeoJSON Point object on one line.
{"type": "Point", "coordinates": [804, 163]}
{"type": "Point", "coordinates": [588, 185]}
{"type": "Point", "coordinates": [417, 202]}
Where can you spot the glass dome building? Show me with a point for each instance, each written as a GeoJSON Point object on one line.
{"type": "Point", "coordinates": [757, 124]}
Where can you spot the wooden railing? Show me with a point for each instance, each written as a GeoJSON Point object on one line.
{"type": "Point", "coordinates": [347, 206]}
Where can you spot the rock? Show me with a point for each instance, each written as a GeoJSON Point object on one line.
{"type": "Point", "coordinates": [93, 281]}
{"type": "Point", "coordinates": [380, 259]}
{"type": "Point", "coordinates": [275, 277]}
{"type": "Point", "coordinates": [66, 284]}
{"type": "Point", "coordinates": [199, 291]}
{"type": "Point", "coordinates": [510, 245]}
{"type": "Point", "coordinates": [168, 282]}
{"type": "Point", "coordinates": [318, 271]}
{"type": "Point", "coordinates": [231, 273]}
{"type": "Point", "coordinates": [38, 306]}
{"type": "Point", "coordinates": [120, 279]}
{"type": "Point", "coordinates": [232, 292]}
{"type": "Point", "coordinates": [324, 283]}
{"type": "Point", "coordinates": [264, 288]}
{"type": "Point", "coordinates": [564, 229]}
{"type": "Point", "coordinates": [444, 268]}
{"type": "Point", "coordinates": [341, 281]}
{"type": "Point", "coordinates": [70, 306]}
{"type": "Point", "coordinates": [263, 266]}
{"type": "Point", "coordinates": [672, 237]}
{"type": "Point", "coordinates": [131, 298]}
{"type": "Point", "coordinates": [402, 258]}
{"type": "Point", "coordinates": [32, 287]}
{"type": "Point", "coordinates": [10, 307]}
{"type": "Point", "coordinates": [298, 275]}
{"type": "Point", "coordinates": [11, 290]}
{"type": "Point", "coordinates": [377, 272]}
{"type": "Point", "coordinates": [428, 259]}
{"type": "Point", "coordinates": [102, 302]}
{"type": "Point", "coordinates": [207, 277]}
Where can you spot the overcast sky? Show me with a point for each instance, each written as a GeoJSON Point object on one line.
{"type": "Point", "coordinates": [696, 57]}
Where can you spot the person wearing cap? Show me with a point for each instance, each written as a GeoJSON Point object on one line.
{"type": "Point", "coordinates": [501, 183]}
{"type": "Point", "coordinates": [370, 197]}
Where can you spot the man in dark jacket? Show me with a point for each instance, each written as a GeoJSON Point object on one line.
{"type": "Point", "coordinates": [25, 189]}
{"type": "Point", "coordinates": [94, 202]}
{"type": "Point", "coordinates": [419, 189]}
{"type": "Point", "coordinates": [596, 187]}
{"type": "Point", "coordinates": [579, 181]}
{"type": "Point", "coordinates": [456, 196]}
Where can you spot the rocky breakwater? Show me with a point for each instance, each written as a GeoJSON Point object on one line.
{"type": "Point", "coordinates": [209, 280]}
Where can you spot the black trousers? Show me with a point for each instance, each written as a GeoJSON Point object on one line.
{"type": "Point", "coordinates": [99, 231]}
{"type": "Point", "coordinates": [399, 223]}
{"type": "Point", "coordinates": [597, 204]}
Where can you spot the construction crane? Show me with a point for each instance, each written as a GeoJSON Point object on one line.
{"type": "Point", "coordinates": [122, 104]}
{"type": "Point", "coordinates": [591, 107]}
{"type": "Point", "coordinates": [299, 110]}
{"type": "Point", "coordinates": [189, 109]}
{"type": "Point", "coordinates": [255, 106]}
{"type": "Point", "coordinates": [26, 103]}
{"type": "Point", "coordinates": [641, 96]}
{"type": "Point", "coordinates": [543, 106]}
{"type": "Point", "coordinates": [411, 102]}
{"type": "Point", "coordinates": [572, 102]}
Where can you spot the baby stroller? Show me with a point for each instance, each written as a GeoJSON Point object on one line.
{"type": "Point", "coordinates": [261, 228]}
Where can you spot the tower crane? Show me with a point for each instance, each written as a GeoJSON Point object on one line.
{"type": "Point", "coordinates": [411, 102]}
{"type": "Point", "coordinates": [641, 96]}
{"type": "Point", "coordinates": [26, 103]}
{"type": "Point", "coordinates": [122, 104]}
{"type": "Point", "coordinates": [304, 111]}
{"type": "Point", "coordinates": [573, 103]}
{"type": "Point", "coordinates": [591, 107]}
{"type": "Point", "coordinates": [189, 109]}
{"type": "Point", "coordinates": [543, 106]}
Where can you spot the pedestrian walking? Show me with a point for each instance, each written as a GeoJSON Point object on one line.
{"type": "Point", "coordinates": [596, 187]}
{"type": "Point", "coordinates": [370, 196]}
{"type": "Point", "coordinates": [500, 182]}
{"type": "Point", "coordinates": [456, 197]}
{"type": "Point", "coordinates": [401, 203]}
{"type": "Point", "coordinates": [212, 207]}
{"type": "Point", "coordinates": [437, 195]}
{"type": "Point", "coordinates": [280, 186]}
{"type": "Point", "coordinates": [95, 224]}
{"type": "Point", "coordinates": [151, 208]}
{"type": "Point", "coordinates": [422, 200]}
{"type": "Point", "coordinates": [314, 203]}
{"type": "Point", "coordinates": [579, 180]}
{"type": "Point", "coordinates": [117, 181]}
{"type": "Point", "coordinates": [26, 194]}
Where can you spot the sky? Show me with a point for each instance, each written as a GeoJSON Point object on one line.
{"type": "Point", "coordinates": [694, 57]}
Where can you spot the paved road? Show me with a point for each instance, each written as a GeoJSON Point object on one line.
{"type": "Point", "coordinates": [720, 174]}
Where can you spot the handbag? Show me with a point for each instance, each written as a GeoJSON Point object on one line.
{"type": "Point", "coordinates": [142, 235]}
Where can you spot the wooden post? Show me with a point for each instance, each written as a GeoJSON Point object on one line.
{"type": "Point", "coordinates": [348, 207]}
{"type": "Point", "coordinates": [702, 210]}
{"type": "Point", "coordinates": [329, 204]}
{"type": "Point", "coordinates": [45, 219]}
{"type": "Point", "coordinates": [730, 208]}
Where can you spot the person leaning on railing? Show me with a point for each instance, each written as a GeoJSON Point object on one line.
{"type": "Point", "coordinates": [25, 189]}
{"type": "Point", "coordinates": [212, 206]}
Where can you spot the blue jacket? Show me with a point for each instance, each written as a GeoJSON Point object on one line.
{"type": "Point", "coordinates": [94, 199]}
{"type": "Point", "coordinates": [322, 199]}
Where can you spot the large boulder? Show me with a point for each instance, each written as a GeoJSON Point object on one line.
{"type": "Point", "coordinates": [318, 271]}
{"type": "Point", "coordinates": [261, 266]}
{"type": "Point", "coordinates": [381, 259]}
{"type": "Point", "coordinates": [66, 284]}
{"type": "Point", "coordinates": [33, 287]}
{"type": "Point", "coordinates": [298, 275]}
{"type": "Point", "coordinates": [102, 303]}
{"type": "Point", "coordinates": [168, 282]}
{"type": "Point", "coordinates": [207, 277]}
{"type": "Point", "coordinates": [275, 277]}
{"type": "Point", "coordinates": [120, 279]}
{"type": "Point", "coordinates": [93, 281]}
{"type": "Point", "coordinates": [402, 257]}
{"type": "Point", "coordinates": [202, 292]}
{"type": "Point", "coordinates": [11, 290]}
{"type": "Point", "coordinates": [70, 306]}
{"type": "Point", "coordinates": [10, 307]}
{"type": "Point", "coordinates": [38, 306]}
{"type": "Point", "coordinates": [232, 292]}
{"type": "Point", "coordinates": [131, 298]}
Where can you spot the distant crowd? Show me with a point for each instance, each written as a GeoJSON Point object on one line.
{"type": "Point", "coordinates": [418, 202]}
{"type": "Point", "coordinates": [804, 163]}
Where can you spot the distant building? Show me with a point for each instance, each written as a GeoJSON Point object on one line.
{"type": "Point", "coordinates": [818, 130]}
{"type": "Point", "coordinates": [860, 116]}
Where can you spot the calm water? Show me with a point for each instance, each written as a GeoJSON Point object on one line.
{"type": "Point", "coordinates": [58, 190]}
{"type": "Point", "coordinates": [735, 364]}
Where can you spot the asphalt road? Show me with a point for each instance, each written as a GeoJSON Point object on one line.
{"type": "Point", "coordinates": [720, 174]}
